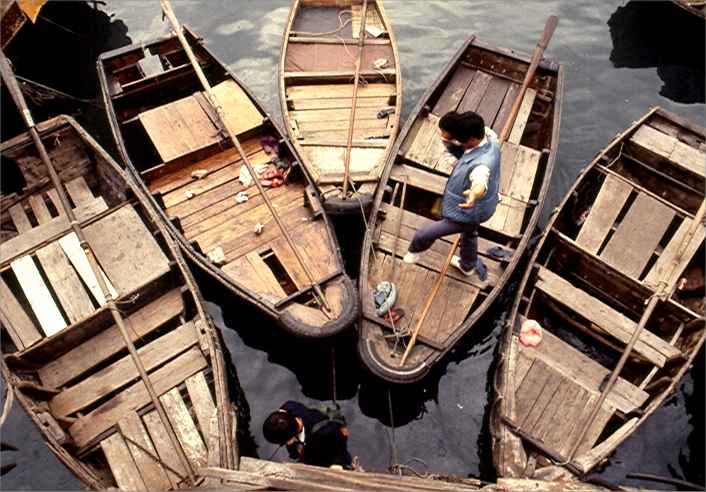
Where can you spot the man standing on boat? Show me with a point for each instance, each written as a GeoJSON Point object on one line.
{"type": "Point", "coordinates": [471, 194]}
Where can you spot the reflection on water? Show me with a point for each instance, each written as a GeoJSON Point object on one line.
{"type": "Point", "coordinates": [656, 34]}
{"type": "Point", "coordinates": [438, 423]}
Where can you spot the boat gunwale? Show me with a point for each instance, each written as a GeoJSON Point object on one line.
{"type": "Point", "coordinates": [501, 377]}
{"type": "Point", "coordinates": [391, 374]}
{"type": "Point", "coordinates": [292, 325]}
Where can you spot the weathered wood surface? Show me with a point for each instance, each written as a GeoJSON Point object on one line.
{"type": "Point", "coordinates": [185, 428]}
{"type": "Point", "coordinates": [20, 327]}
{"type": "Point", "coordinates": [121, 463]}
{"type": "Point", "coordinates": [604, 211]}
{"type": "Point", "coordinates": [609, 320]}
{"type": "Point", "coordinates": [669, 147]}
{"type": "Point", "coordinates": [152, 471]}
{"type": "Point", "coordinates": [202, 401]}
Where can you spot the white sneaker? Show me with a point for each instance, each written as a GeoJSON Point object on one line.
{"type": "Point", "coordinates": [472, 273]}
{"type": "Point", "coordinates": [411, 258]}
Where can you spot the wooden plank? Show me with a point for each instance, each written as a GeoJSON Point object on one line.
{"type": "Point", "coordinates": [476, 91]}
{"type": "Point", "coordinates": [523, 114]}
{"type": "Point", "coordinates": [670, 148]}
{"type": "Point", "coordinates": [565, 419]}
{"type": "Point", "coordinates": [202, 401]}
{"type": "Point", "coordinates": [73, 250]}
{"type": "Point", "coordinates": [494, 96]}
{"type": "Point", "coordinates": [38, 295]}
{"type": "Point", "coordinates": [91, 425]}
{"type": "Point", "coordinates": [116, 239]}
{"type": "Point", "coordinates": [556, 410]}
{"type": "Point", "coordinates": [124, 470]}
{"type": "Point", "coordinates": [185, 428]}
{"type": "Point", "coordinates": [15, 320]}
{"type": "Point", "coordinates": [372, 18]}
{"type": "Point", "coordinates": [668, 263]}
{"type": "Point", "coordinates": [529, 390]}
{"type": "Point", "coordinates": [252, 272]}
{"type": "Point", "coordinates": [61, 275]}
{"type": "Point", "coordinates": [19, 218]}
{"type": "Point", "coordinates": [541, 404]}
{"type": "Point", "coordinates": [594, 430]}
{"type": "Point", "coordinates": [426, 130]}
{"type": "Point", "coordinates": [454, 90]}
{"type": "Point", "coordinates": [37, 235]}
{"type": "Point", "coordinates": [638, 235]}
{"type": "Point", "coordinates": [649, 345]}
{"type": "Point", "coordinates": [520, 188]}
{"type": "Point", "coordinates": [241, 113]}
{"type": "Point", "coordinates": [143, 453]}
{"type": "Point", "coordinates": [377, 103]}
{"type": "Point", "coordinates": [592, 457]}
{"type": "Point", "coordinates": [79, 191]}
{"type": "Point", "coordinates": [117, 375]}
{"type": "Point", "coordinates": [109, 342]}
{"type": "Point", "coordinates": [605, 210]}
{"type": "Point", "coordinates": [505, 108]}
{"type": "Point", "coordinates": [327, 91]}
{"type": "Point", "coordinates": [165, 450]}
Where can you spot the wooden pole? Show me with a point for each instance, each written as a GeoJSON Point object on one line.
{"type": "Point", "coordinates": [11, 82]}
{"type": "Point", "coordinates": [354, 99]}
{"type": "Point", "coordinates": [169, 12]}
{"type": "Point", "coordinates": [399, 227]}
{"type": "Point", "coordinates": [549, 28]}
{"type": "Point", "coordinates": [664, 290]}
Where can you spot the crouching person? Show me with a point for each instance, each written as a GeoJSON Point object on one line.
{"type": "Point", "coordinates": [312, 436]}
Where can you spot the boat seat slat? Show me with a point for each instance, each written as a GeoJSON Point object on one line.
{"type": "Point", "coordinates": [582, 370]}
{"type": "Point", "coordinates": [15, 320]}
{"type": "Point", "coordinates": [669, 147]}
{"type": "Point", "coordinates": [303, 105]}
{"type": "Point", "coordinates": [605, 210]}
{"type": "Point", "coordinates": [638, 235]}
{"type": "Point", "coordinates": [88, 427]}
{"type": "Point", "coordinates": [120, 373]}
{"type": "Point", "coordinates": [202, 401]}
{"type": "Point", "coordinates": [118, 236]}
{"type": "Point", "coordinates": [79, 191]}
{"type": "Point", "coordinates": [475, 93]}
{"type": "Point", "coordinates": [61, 275]}
{"type": "Point", "coordinates": [454, 90]}
{"type": "Point", "coordinates": [37, 293]}
{"type": "Point", "coordinates": [251, 271]}
{"type": "Point", "coordinates": [649, 345]}
{"type": "Point", "coordinates": [328, 91]}
{"type": "Point", "coordinates": [505, 108]}
{"type": "Point", "coordinates": [493, 99]}
{"type": "Point", "coordinates": [37, 235]}
{"type": "Point", "coordinates": [666, 261]}
{"type": "Point", "coordinates": [121, 463]}
{"type": "Point", "coordinates": [518, 128]}
{"type": "Point", "coordinates": [143, 453]}
{"type": "Point", "coordinates": [73, 250]}
{"type": "Point", "coordinates": [185, 428]}
{"type": "Point", "coordinates": [19, 218]}
{"type": "Point", "coordinates": [109, 342]}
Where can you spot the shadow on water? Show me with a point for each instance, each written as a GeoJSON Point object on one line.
{"type": "Point", "coordinates": [662, 35]}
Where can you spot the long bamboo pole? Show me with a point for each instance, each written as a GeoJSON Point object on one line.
{"type": "Point", "coordinates": [549, 28]}
{"type": "Point", "coordinates": [11, 82]}
{"type": "Point", "coordinates": [213, 100]}
{"type": "Point", "coordinates": [354, 99]}
{"type": "Point", "coordinates": [664, 290]}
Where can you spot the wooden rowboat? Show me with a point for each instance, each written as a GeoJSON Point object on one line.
{"type": "Point", "coordinates": [485, 79]}
{"type": "Point", "coordinates": [62, 353]}
{"type": "Point", "coordinates": [171, 140]}
{"type": "Point", "coordinates": [628, 234]}
{"type": "Point", "coordinates": [696, 7]}
{"type": "Point", "coordinates": [340, 91]}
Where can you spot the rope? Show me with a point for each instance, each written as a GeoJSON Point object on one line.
{"type": "Point", "coordinates": [394, 460]}
{"type": "Point", "coordinates": [333, 375]}
{"type": "Point", "coordinates": [9, 400]}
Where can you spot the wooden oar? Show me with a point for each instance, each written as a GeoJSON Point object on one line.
{"type": "Point", "coordinates": [354, 99]}
{"type": "Point", "coordinates": [167, 8]}
{"type": "Point", "coordinates": [664, 290]}
{"type": "Point", "coordinates": [11, 83]}
{"type": "Point", "coordinates": [549, 28]}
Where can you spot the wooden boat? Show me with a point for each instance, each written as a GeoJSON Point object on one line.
{"type": "Point", "coordinates": [169, 137]}
{"type": "Point", "coordinates": [63, 354]}
{"type": "Point", "coordinates": [340, 91]}
{"type": "Point", "coordinates": [485, 79]}
{"type": "Point", "coordinates": [696, 7]}
{"type": "Point", "coordinates": [629, 233]}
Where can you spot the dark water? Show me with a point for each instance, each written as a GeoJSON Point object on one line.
{"type": "Point", "coordinates": [621, 58]}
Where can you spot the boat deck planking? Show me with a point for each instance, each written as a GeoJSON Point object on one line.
{"type": "Point", "coordinates": [617, 240]}
{"type": "Point", "coordinates": [469, 83]}
{"type": "Point", "coordinates": [78, 382]}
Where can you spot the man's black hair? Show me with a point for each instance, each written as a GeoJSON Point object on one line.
{"type": "Point", "coordinates": [463, 126]}
{"type": "Point", "coordinates": [279, 427]}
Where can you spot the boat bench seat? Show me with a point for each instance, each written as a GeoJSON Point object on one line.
{"type": "Point", "coordinates": [141, 455]}
{"type": "Point", "coordinates": [605, 319]}
{"type": "Point", "coordinates": [669, 147]}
